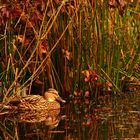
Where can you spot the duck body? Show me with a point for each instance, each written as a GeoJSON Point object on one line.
{"type": "Point", "coordinates": [50, 101]}
{"type": "Point", "coordinates": [37, 102]}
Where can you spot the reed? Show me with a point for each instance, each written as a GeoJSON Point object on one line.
{"type": "Point", "coordinates": [54, 42]}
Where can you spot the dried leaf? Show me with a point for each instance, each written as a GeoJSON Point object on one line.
{"type": "Point", "coordinates": [90, 75]}
{"type": "Point", "coordinates": [37, 81]}
{"type": "Point", "coordinates": [87, 75]}
{"type": "Point", "coordinates": [42, 49]}
{"type": "Point", "coordinates": [109, 85]}
{"type": "Point", "coordinates": [87, 93]}
{"type": "Point", "coordinates": [120, 4]}
{"type": "Point", "coordinates": [22, 39]}
{"type": "Point", "coordinates": [113, 4]}
{"type": "Point", "coordinates": [67, 54]}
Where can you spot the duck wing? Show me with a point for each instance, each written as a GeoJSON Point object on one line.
{"type": "Point", "coordinates": [32, 102]}
{"type": "Point", "coordinates": [31, 98]}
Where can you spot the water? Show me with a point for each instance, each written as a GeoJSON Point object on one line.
{"type": "Point", "coordinates": [107, 118]}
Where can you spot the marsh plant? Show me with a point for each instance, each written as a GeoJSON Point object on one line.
{"type": "Point", "coordinates": [71, 45]}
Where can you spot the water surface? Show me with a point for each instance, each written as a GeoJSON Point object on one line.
{"type": "Point", "coordinates": [106, 118]}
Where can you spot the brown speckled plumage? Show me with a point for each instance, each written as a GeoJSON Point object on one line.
{"type": "Point", "coordinates": [50, 101]}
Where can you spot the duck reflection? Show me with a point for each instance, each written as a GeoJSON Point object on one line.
{"type": "Point", "coordinates": [30, 124]}
{"type": "Point", "coordinates": [50, 118]}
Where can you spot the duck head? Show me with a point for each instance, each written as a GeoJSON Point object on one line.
{"type": "Point", "coordinates": [52, 95]}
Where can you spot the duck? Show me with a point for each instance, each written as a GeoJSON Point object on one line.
{"type": "Point", "coordinates": [50, 101]}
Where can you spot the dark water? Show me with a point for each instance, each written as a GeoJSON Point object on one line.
{"type": "Point", "coordinates": [107, 118]}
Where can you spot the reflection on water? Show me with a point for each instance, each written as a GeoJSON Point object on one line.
{"type": "Point", "coordinates": [30, 125]}
{"type": "Point", "coordinates": [108, 118]}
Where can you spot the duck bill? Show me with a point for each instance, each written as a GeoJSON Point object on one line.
{"type": "Point", "coordinates": [61, 100]}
